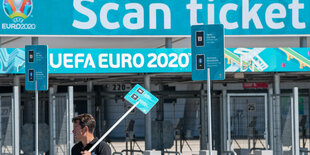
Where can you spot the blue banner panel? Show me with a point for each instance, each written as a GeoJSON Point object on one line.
{"type": "Point", "coordinates": [153, 17]}
{"type": "Point", "coordinates": [207, 43]}
{"type": "Point", "coordinates": [36, 72]}
{"type": "Point", "coordinates": [139, 94]}
{"type": "Point", "coordinates": [69, 61]}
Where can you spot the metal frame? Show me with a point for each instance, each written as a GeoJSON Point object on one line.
{"type": "Point", "coordinates": [228, 114]}
{"type": "Point", "coordinates": [69, 114]}
{"type": "Point", "coordinates": [12, 125]}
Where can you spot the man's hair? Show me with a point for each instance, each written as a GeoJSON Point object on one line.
{"type": "Point", "coordinates": [85, 120]}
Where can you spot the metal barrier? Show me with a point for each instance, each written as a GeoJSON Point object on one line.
{"type": "Point", "coordinates": [233, 152]}
{"type": "Point", "coordinates": [6, 124]}
{"type": "Point", "coordinates": [61, 113]}
{"type": "Point", "coordinates": [179, 153]}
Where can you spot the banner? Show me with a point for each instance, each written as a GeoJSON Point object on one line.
{"type": "Point", "coordinates": [71, 61]}
{"type": "Point", "coordinates": [153, 17]}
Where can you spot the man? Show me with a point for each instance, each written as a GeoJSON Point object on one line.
{"type": "Point", "coordinates": [83, 130]}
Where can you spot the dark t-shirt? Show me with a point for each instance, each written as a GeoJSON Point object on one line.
{"type": "Point", "coordinates": [101, 149]}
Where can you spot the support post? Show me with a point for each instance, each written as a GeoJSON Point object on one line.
{"type": "Point", "coordinates": [52, 120]}
{"type": "Point", "coordinates": [148, 121]}
{"type": "Point", "coordinates": [70, 116]}
{"type": "Point", "coordinates": [277, 116]}
{"type": "Point", "coordinates": [303, 42]}
{"type": "Point", "coordinates": [16, 118]}
{"type": "Point", "coordinates": [271, 137]}
{"type": "Point", "coordinates": [203, 139]}
{"type": "Point", "coordinates": [90, 104]}
{"type": "Point", "coordinates": [224, 122]}
{"type": "Point", "coordinates": [209, 113]}
{"type": "Point", "coordinates": [296, 121]}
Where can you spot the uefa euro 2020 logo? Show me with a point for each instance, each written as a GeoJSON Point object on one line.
{"type": "Point", "coordinates": [17, 10]}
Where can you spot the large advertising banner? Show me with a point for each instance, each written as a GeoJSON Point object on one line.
{"type": "Point", "coordinates": [80, 61]}
{"type": "Point", "coordinates": [153, 17]}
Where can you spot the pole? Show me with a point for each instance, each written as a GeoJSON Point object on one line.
{"type": "Point", "coordinates": [203, 139]}
{"type": "Point", "coordinates": [296, 120]}
{"type": "Point", "coordinates": [277, 116]}
{"type": "Point", "coordinates": [148, 121]}
{"type": "Point", "coordinates": [16, 118]}
{"type": "Point", "coordinates": [270, 91]}
{"type": "Point", "coordinates": [209, 113]}
{"type": "Point", "coordinates": [292, 126]}
{"type": "Point", "coordinates": [127, 113]}
{"type": "Point", "coordinates": [35, 41]}
{"type": "Point", "coordinates": [36, 119]}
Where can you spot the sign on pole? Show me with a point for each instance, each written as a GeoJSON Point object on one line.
{"type": "Point", "coordinates": [146, 99]}
{"type": "Point", "coordinates": [208, 52]}
{"type": "Point", "coordinates": [140, 98]}
{"type": "Point", "coordinates": [36, 67]}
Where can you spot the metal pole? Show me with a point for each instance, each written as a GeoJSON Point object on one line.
{"type": "Point", "coordinates": [228, 124]}
{"type": "Point", "coordinates": [224, 115]}
{"type": "Point", "coordinates": [203, 140]}
{"type": "Point", "coordinates": [209, 113]}
{"type": "Point", "coordinates": [36, 119]}
{"type": "Point", "coordinates": [292, 126]}
{"type": "Point", "coordinates": [70, 114]}
{"type": "Point", "coordinates": [0, 126]}
{"type": "Point", "coordinates": [303, 42]}
{"type": "Point", "coordinates": [296, 120]}
{"type": "Point", "coordinates": [266, 122]}
{"type": "Point", "coordinates": [51, 119]}
{"type": "Point", "coordinates": [90, 104]}
{"type": "Point", "coordinates": [277, 116]}
{"type": "Point", "coordinates": [34, 40]}
{"type": "Point", "coordinates": [148, 121]}
{"type": "Point", "coordinates": [270, 92]}
{"type": "Point", "coordinates": [16, 117]}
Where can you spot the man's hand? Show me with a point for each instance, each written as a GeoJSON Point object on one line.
{"type": "Point", "coordinates": [85, 153]}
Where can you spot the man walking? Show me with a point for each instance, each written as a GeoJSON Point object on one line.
{"type": "Point", "coordinates": [83, 130]}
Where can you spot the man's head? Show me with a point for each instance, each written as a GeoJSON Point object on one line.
{"type": "Point", "coordinates": [83, 125]}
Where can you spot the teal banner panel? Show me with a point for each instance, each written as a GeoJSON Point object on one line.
{"type": "Point", "coordinates": [153, 17]}
{"type": "Point", "coordinates": [69, 61]}
{"type": "Point", "coordinates": [207, 42]}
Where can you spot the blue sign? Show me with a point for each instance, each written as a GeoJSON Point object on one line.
{"type": "Point", "coordinates": [72, 61]}
{"type": "Point", "coordinates": [153, 17]}
{"type": "Point", "coordinates": [36, 67]}
{"type": "Point", "coordinates": [139, 94]}
{"type": "Point", "coordinates": [207, 52]}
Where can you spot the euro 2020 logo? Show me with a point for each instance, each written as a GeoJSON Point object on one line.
{"type": "Point", "coordinates": [17, 10]}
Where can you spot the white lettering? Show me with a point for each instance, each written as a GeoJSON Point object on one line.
{"type": "Point", "coordinates": [138, 15]}
{"type": "Point", "coordinates": [167, 15]}
{"type": "Point", "coordinates": [250, 15]}
{"type": "Point", "coordinates": [68, 60]}
{"type": "Point", "coordinates": [126, 58]}
{"type": "Point", "coordinates": [77, 60]}
{"type": "Point", "coordinates": [223, 16]}
{"type": "Point", "coordinates": [135, 57]}
{"type": "Point", "coordinates": [89, 61]}
{"type": "Point", "coordinates": [270, 15]}
{"type": "Point", "coordinates": [193, 7]}
{"type": "Point", "coordinates": [104, 16]}
{"type": "Point", "coordinates": [117, 65]}
{"type": "Point", "coordinates": [102, 59]}
{"type": "Point", "coordinates": [295, 6]}
{"type": "Point", "coordinates": [52, 62]}
{"type": "Point", "coordinates": [77, 4]}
